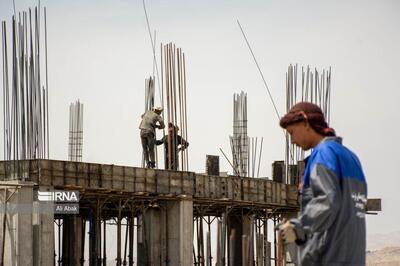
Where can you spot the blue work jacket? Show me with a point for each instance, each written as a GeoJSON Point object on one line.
{"type": "Point", "coordinates": [331, 226]}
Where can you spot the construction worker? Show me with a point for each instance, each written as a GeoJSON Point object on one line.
{"type": "Point", "coordinates": [330, 229]}
{"type": "Point", "coordinates": [150, 121]}
{"type": "Point", "coordinates": [177, 144]}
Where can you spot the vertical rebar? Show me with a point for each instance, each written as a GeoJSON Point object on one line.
{"type": "Point", "coordinates": [25, 104]}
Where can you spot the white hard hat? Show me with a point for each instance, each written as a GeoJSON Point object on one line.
{"type": "Point", "coordinates": [158, 108]}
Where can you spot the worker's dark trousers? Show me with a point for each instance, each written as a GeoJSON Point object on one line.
{"type": "Point", "coordinates": [148, 141]}
{"type": "Point", "coordinates": [171, 165]}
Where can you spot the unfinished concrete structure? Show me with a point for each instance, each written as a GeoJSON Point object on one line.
{"type": "Point", "coordinates": [166, 205]}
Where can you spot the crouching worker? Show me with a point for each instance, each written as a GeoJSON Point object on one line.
{"type": "Point", "coordinates": [331, 227]}
{"type": "Point", "coordinates": [173, 144]}
{"type": "Point", "coordinates": [150, 121]}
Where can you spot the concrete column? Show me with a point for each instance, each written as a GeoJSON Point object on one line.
{"type": "Point", "coordinates": [247, 227]}
{"type": "Point", "coordinates": [43, 232]}
{"type": "Point", "coordinates": [140, 241]}
{"type": "Point", "coordinates": [77, 248]}
{"type": "Point", "coordinates": [267, 245]}
{"type": "Point", "coordinates": [72, 240]}
{"type": "Point", "coordinates": [16, 232]}
{"type": "Point", "coordinates": [239, 229]}
{"type": "Point", "coordinates": [180, 232]}
{"type": "Point", "coordinates": [165, 235]}
{"type": "Point", "coordinates": [94, 238]}
{"type": "Point", "coordinates": [267, 261]}
{"type": "Point", "coordinates": [149, 238]}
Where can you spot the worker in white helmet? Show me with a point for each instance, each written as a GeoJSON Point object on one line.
{"type": "Point", "coordinates": [151, 120]}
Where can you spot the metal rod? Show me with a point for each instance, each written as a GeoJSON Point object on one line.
{"type": "Point", "coordinates": [259, 69]}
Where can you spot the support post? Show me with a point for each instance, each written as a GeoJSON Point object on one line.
{"type": "Point", "coordinates": [16, 234]}
{"type": "Point", "coordinates": [239, 245]}
{"type": "Point", "coordinates": [149, 241]}
{"type": "Point", "coordinates": [43, 231]}
{"type": "Point", "coordinates": [131, 235]}
{"type": "Point", "coordinates": [94, 238]}
{"type": "Point", "coordinates": [180, 232]}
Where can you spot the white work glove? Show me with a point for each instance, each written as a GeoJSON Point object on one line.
{"type": "Point", "coordinates": [286, 229]}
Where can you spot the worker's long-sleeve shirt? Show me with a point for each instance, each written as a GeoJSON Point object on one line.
{"type": "Point", "coordinates": [171, 156]}
{"type": "Point", "coordinates": [149, 121]}
{"type": "Point", "coordinates": [179, 141]}
{"type": "Point", "coordinates": [331, 227]}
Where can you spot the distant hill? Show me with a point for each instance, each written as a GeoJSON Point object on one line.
{"type": "Point", "coordinates": [389, 256]}
{"type": "Point", "coordinates": [380, 241]}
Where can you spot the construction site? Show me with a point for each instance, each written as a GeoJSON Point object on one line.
{"type": "Point", "coordinates": [61, 212]}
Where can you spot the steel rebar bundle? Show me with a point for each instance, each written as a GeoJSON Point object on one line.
{"type": "Point", "coordinates": [75, 145]}
{"type": "Point", "coordinates": [255, 156]}
{"type": "Point", "coordinates": [173, 80]}
{"type": "Point", "coordinates": [315, 88]}
{"type": "Point", "coordinates": [244, 148]}
{"type": "Point", "coordinates": [239, 140]}
{"type": "Point", "coordinates": [149, 94]}
{"type": "Point", "coordinates": [25, 99]}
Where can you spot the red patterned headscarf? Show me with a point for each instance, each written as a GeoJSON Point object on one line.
{"type": "Point", "coordinates": [311, 113]}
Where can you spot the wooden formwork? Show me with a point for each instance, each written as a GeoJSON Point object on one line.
{"type": "Point", "coordinates": [106, 178]}
{"type": "Point", "coordinates": [113, 192]}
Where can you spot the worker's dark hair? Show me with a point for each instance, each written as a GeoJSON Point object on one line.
{"type": "Point", "coordinates": [310, 113]}
{"type": "Point", "coordinates": [171, 126]}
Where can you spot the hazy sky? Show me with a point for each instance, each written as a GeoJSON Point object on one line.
{"type": "Point", "coordinates": [100, 53]}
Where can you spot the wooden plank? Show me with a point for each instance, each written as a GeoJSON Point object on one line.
{"type": "Point", "coordinates": [82, 174]}
{"type": "Point", "coordinates": [176, 184]}
{"type": "Point", "coordinates": [246, 189]}
{"type": "Point", "coordinates": [56, 172]}
{"type": "Point", "coordinates": [45, 178]}
{"type": "Point", "coordinates": [118, 177]}
{"type": "Point", "coordinates": [283, 189]}
{"type": "Point", "coordinates": [70, 173]}
{"type": "Point", "coordinates": [94, 175]}
{"type": "Point", "coordinates": [261, 196]}
{"type": "Point", "coordinates": [188, 180]}
{"type": "Point", "coordinates": [163, 182]}
{"type": "Point", "coordinates": [223, 193]}
{"type": "Point", "coordinates": [207, 186]}
{"type": "Point", "coordinates": [236, 189]}
{"type": "Point", "coordinates": [139, 181]}
{"type": "Point", "coordinates": [199, 185]}
{"type": "Point", "coordinates": [129, 179]}
{"type": "Point", "coordinates": [374, 205]}
{"type": "Point", "coordinates": [292, 195]}
{"type": "Point", "coordinates": [274, 193]}
{"type": "Point", "coordinates": [149, 181]}
{"type": "Point", "coordinates": [213, 192]}
{"type": "Point", "coordinates": [253, 189]}
{"type": "Point", "coordinates": [106, 176]}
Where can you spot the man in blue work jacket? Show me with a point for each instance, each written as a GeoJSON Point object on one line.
{"type": "Point", "coordinates": [331, 227]}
